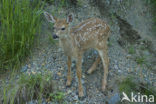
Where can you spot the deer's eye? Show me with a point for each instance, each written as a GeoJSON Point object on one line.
{"type": "Point", "coordinates": [62, 28]}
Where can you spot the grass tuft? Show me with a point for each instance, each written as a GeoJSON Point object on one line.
{"type": "Point", "coordinates": [30, 87]}
{"type": "Point", "coordinates": [19, 24]}
{"type": "Point", "coordinates": [130, 84]}
{"type": "Point", "coordinates": [131, 50]}
{"type": "Point", "coordinates": [140, 60]}
{"type": "Point", "coordinates": [127, 86]}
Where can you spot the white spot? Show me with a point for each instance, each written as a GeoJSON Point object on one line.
{"type": "Point", "coordinates": [76, 41]}
{"type": "Point", "coordinates": [83, 26]}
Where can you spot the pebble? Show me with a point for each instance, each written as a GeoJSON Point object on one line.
{"type": "Point", "coordinates": [119, 71]}
{"type": "Point", "coordinates": [114, 99]}
{"type": "Point", "coordinates": [116, 67]}
{"type": "Point", "coordinates": [128, 56]}
{"type": "Point", "coordinates": [69, 91]}
{"type": "Point", "coordinates": [59, 74]}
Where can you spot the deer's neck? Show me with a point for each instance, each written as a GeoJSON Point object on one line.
{"type": "Point", "coordinates": [67, 45]}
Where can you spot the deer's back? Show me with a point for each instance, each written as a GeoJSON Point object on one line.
{"type": "Point", "coordinates": [90, 32]}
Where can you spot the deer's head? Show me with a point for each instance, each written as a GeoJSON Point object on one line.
{"type": "Point", "coordinates": [61, 26]}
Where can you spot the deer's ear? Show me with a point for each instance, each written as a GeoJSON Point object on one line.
{"type": "Point", "coordinates": [70, 18]}
{"type": "Point", "coordinates": [49, 17]}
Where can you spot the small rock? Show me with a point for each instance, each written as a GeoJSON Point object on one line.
{"type": "Point", "coordinates": [115, 67]}
{"type": "Point", "coordinates": [43, 64]}
{"type": "Point", "coordinates": [75, 98]}
{"type": "Point", "coordinates": [24, 68]}
{"type": "Point", "coordinates": [29, 66]}
{"type": "Point", "coordinates": [128, 56]}
{"type": "Point", "coordinates": [73, 65]}
{"type": "Point", "coordinates": [61, 68]}
{"type": "Point", "coordinates": [69, 91]}
{"type": "Point", "coordinates": [59, 74]}
{"type": "Point", "coordinates": [129, 70]}
{"type": "Point", "coordinates": [114, 99]}
{"type": "Point", "coordinates": [119, 71]}
{"type": "Point", "coordinates": [95, 52]}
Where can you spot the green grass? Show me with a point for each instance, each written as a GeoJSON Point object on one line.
{"type": "Point", "coordinates": [31, 86]}
{"type": "Point", "coordinates": [130, 84]}
{"type": "Point", "coordinates": [127, 86]}
{"type": "Point", "coordinates": [152, 3]}
{"type": "Point", "coordinates": [58, 96]}
{"type": "Point", "coordinates": [140, 60]}
{"type": "Point", "coordinates": [154, 7]}
{"type": "Point", "coordinates": [19, 26]}
{"type": "Point", "coordinates": [131, 50]}
{"type": "Point", "coordinates": [65, 3]}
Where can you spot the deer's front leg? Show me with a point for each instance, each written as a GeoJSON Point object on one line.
{"type": "Point", "coordinates": [79, 74]}
{"type": "Point", "coordinates": [69, 78]}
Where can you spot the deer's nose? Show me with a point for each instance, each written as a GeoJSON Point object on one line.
{"type": "Point", "coordinates": [55, 36]}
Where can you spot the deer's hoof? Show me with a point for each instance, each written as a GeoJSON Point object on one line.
{"type": "Point", "coordinates": [103, 88]}
{"type": "Point", "coordinates": [81, 96]}
{"type": "Point", "coordinates": [88, 72]}
{"type": "Point", "coordinates": [68, 83]}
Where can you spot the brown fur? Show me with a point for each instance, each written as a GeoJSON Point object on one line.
{"type": "Point", "coordinates": [91, 33]}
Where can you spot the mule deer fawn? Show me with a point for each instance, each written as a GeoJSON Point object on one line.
{"type": "Point", "coordinates": [91, 33]}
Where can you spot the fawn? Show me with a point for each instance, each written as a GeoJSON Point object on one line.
{"type": "Point", "coordinates": [91, 33]}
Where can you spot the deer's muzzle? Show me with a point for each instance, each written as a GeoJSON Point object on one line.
{"type": "Point", "coordinates": [55, 36]}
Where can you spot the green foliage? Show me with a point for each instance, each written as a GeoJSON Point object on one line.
{"type": "Point", "coordinates": [57, 96]}
{"type": "Point", "coordinates": [131, 50]}
{"type": "Point", "coordinates": [110, 44]}
{"type": "Point", "coordinates": [19, 23]}
{"type": "Point", "coordinates": [31, 86]}
{"type": "Point", "coordinates": [140, 60]}
{"type": "Point", "coordinates": [130, 84]}
{"type": "Point", "coordinates": [127, 86]}
{"type": "Point", "coordinates": [147, 91]}
{"type": "Point", "coordinates": [49, 1]}
{"type": "Point", "coordinates": [152, 3]}
{"type": "Point", "coordinates": [64, 3]}
{"type": "Point", "coordinates": [154, 11]}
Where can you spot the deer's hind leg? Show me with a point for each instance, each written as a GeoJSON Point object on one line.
{"type": "Point", "coordinates": [105, 60]}
{"type": "Point", "coordinates": [93, 67]}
